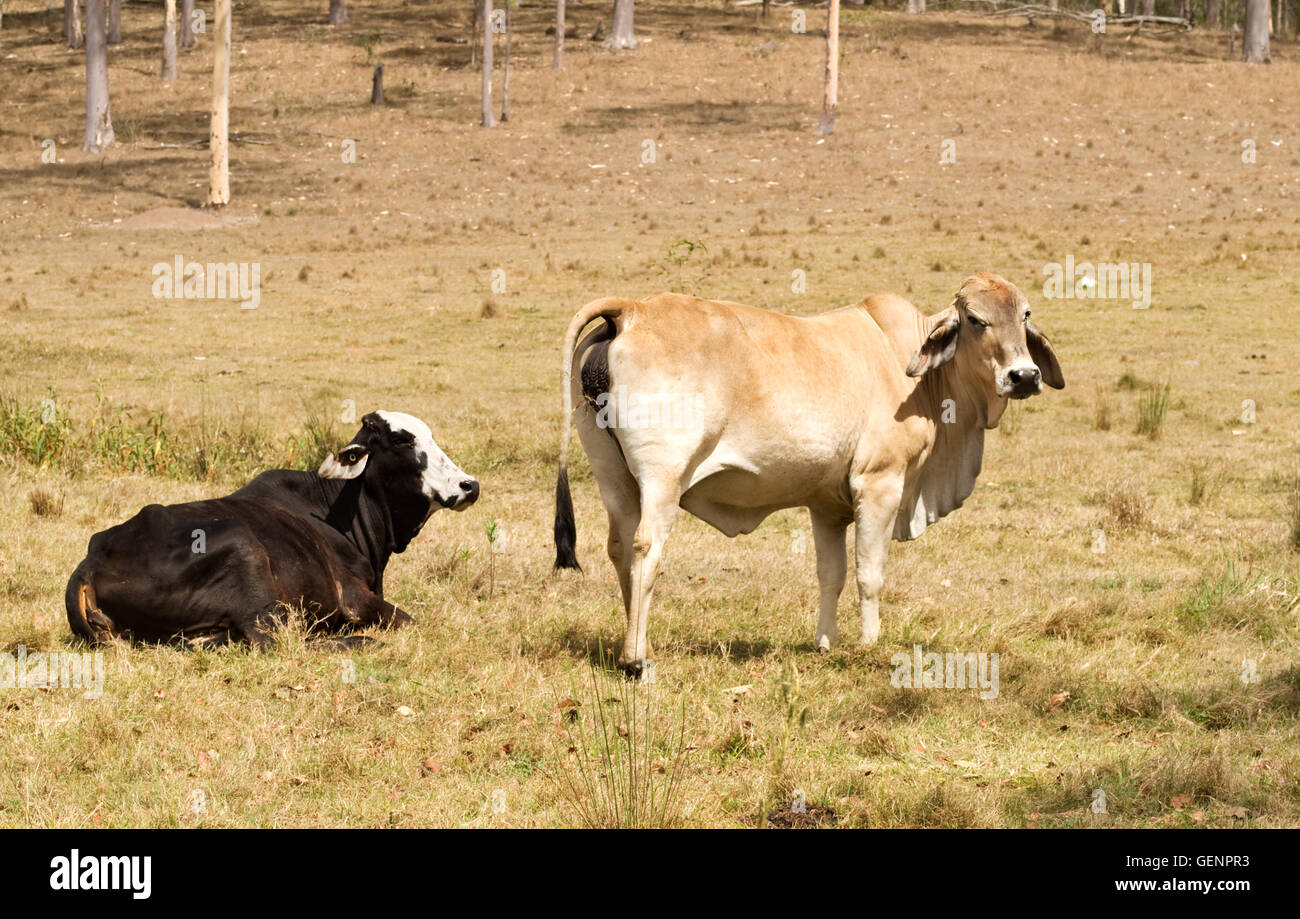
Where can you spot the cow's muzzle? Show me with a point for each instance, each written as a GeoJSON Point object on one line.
{"type": "Point", "coordinates": [1022, 382]}
{"type": "Point", "coordinates": [468, 495]}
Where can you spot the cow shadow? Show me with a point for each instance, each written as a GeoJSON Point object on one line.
{"type": "Point", "coordinates": [601, 649]}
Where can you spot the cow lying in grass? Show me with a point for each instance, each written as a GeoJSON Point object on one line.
{"type": "Point", "coordinates": [228, 567]}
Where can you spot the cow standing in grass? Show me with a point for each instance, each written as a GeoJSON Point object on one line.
{"type": "Point", "coordinates": [873, 415]}
{"type": "Point", "coordinates": [229, 567]}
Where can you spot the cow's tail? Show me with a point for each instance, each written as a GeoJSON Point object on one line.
{"type": "Point", "coordinates": [566, 531]}
{"type": "Point", "coordinates": [84, 616]}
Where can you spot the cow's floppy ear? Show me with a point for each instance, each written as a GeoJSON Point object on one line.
{"type": "Point", "coordinates": [1040, 349]}
{"type": "Point", "coordinates": [939, 346]}
{"type": "Point", "coordinates": [348, 463]}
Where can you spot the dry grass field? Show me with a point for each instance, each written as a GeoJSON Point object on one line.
{"type": "Point", "coordinates": [1140, 589]}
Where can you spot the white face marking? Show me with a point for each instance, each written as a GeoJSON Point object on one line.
{"type": "Point", "coordinates": [441, 478]}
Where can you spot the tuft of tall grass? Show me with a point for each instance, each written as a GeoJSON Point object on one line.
{"type": "Point", "coordinates": [626, 768]}
{"type": "Point", "coordinates": [1128, 504]}
{"type": "Point", "coordinates": [1152, 407]}
{"type": "Point", "coordinates": [38, 434]}
{"type": "Point", "coordinates": [320, 436]}
{"type": "Point", "coordinates": [1103, 408]}
{"type": "Point", "coordinates": [1238, 600]}
{"type": "Point", "coordinates": [45, 503]}
{"type": "Point", "coordinates": [1207, 478]}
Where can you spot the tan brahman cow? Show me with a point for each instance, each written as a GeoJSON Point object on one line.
{"type": "Point", "coordinates": [873, 415]}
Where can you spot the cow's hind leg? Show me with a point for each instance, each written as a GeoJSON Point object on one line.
{"type": "Point", "coordinates": [832, 568]}
{"type": "Point", "coordinates": [658, 510]}
{"type": "Point", "coordinates": [622, 499]}
{"type": "Point", "coordinates": [623, 506]}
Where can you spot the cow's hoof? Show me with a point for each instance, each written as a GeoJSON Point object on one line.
{"type": "Point", "coordinates": [824, 643]}
{"type": "Point", "coordinates": [632, 669]}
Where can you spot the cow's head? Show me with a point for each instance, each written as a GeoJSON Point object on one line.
{"type": "Point", "coordinates": [987, 334]}
{"type": "Point", "coordinates": [398, 456]}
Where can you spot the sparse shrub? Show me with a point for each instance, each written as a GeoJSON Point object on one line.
{"type": "Point", "coordinates": [1151, 410]}
{"type": "Point", "coordinates": [624, 769]}
{"type": "Point", "coordinates": [489, 309]}
{"type": "Point", "coordinates": [795, 716]}
{"type": "Point", "coordinates": [681, 270]}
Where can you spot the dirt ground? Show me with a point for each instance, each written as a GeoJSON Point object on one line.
{"type": "Point", "coordinates": [962, 144]}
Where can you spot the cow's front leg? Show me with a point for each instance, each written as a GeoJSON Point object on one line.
{"type": "Point", "coordinates": [377, 611]}
{"type": "Point", "coordinates": [876, 507]}
{"type": "Point", "coordinates": [394, 616]}
{"type": "Point", "coordinates": [832, 567]}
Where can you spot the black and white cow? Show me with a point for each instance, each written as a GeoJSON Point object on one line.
{"type": "Point", "coordinates": [228, 567]}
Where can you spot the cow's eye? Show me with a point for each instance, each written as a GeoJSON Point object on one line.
{"type": "Point", "coordinates": [976, 322]}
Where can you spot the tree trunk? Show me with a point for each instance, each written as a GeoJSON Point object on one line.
{"type": "Point", "coordinates": [620, 33]}
{"type": "Point", "coordinates": [830, 103]}
{"type": "Point", "coordinates": [1054, 5]}
{"type": "Point", "coordinates": [169, 40]}
{"type": "Point", "coordinates": [115, 22]}
{"type": "Point", "coordinates": [72, 31]}
{"type": "Point", "coordinates": [1254, 39]}
{"type": "Point", "coordinates": [489, 119]}
{"type": "Point", "coordinates": [1148, 7]}
{"type": "Point", "coordinates": [377, 86]}
{"type": "Point", "coordinates": [559, 35]}
{"type": "Point", "coordinates": [505, 81]}
{"type": "Point", "coordinates": [219, 134]}
{"type": "Point", "coordinates": [99, 120]}
{"type": "Point", "coordinates": [916, 6]}
{"type": "Point", "coordinates": [338, 12]}
{"type": "Point", "coordinates": [476, 34]}
{"type": "Point", "coordinates": [1211, 14]}
{"type": "Point", "coordinates": [187, 24]}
